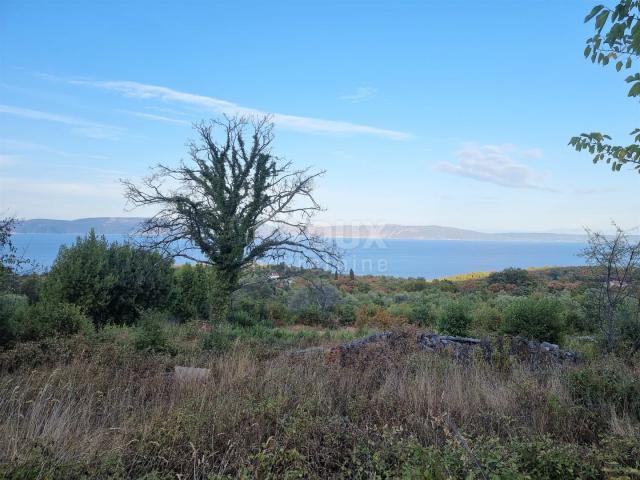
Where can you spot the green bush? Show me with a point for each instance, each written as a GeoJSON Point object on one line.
{"type": "Point", "coordinates": [598, 386]}
{"type": "Point", "coordinates": [534, 318]}
{"type": "Point", "coordinates": [347, 313]}
{"type": "Point", "coordinates": [422, 314]}
{"type": "Point", "coordinates": [454, 320]}
{"type": "Point", "coordinates": [48, 319]}
{"type": "Point", "coordinates": [194, 286]}
{"type": "Point", "coordinates": [151, 335]}
{"type": "Point", "coordinates": [241, 318]}
{"type": "Point", "coordinates": [112, 283]}
{"type": "Point", "coordinates": [487, 319]}
{"type": "Point", "coordinates": [517, 280]}
{"type": "Point", "coordinates": [12, 307]}
{"type": "Point", "coordinates": [221, 338]}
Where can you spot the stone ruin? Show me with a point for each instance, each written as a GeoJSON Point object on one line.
{"type": "Point", "coordinates": [462, 349]}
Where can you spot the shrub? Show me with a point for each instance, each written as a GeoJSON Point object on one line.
{"type": "Point", "coordinates": [151, 335]}
{"type": "Point", "coordinates": [240, 317]}
{"type": "Point", "coordinates": [601, 385]}
{"type": "Point", "coordinates": [347, 314]}
{"type": "Point", "coordinates": [514, 280]}
{"type": "Point", "coordinates": [112, 283]}
{"type": "Point", "coordinates": [487, 319]}
{"type": "Point", "coordinates": [534, 318]}
{"type": "Point", "coordinates": [194, 286]}
{"type": "Point", "coordinates": [454, 320]}
{"type": "Point", "coordinates": [12, 307]}
{"type": "Point", "coordinates": [48, 319]}
{"type": "Point", "coordinates": [422, 314]}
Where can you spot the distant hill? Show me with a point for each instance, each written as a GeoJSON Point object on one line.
{"type": "Point", "coordinates": [436, 232]}
{"type": "Point", "coordinates": [124, 225]}
{"type": "Point", "coordinates": [102, 225]}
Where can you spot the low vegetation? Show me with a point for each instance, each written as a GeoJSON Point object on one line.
{"type": "Point", "coordinates": [87, 390]}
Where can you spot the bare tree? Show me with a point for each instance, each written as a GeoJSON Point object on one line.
{"type": "Point", "coordinates": [615, 262]}
{"type": "Point", "coordinates": [234, 202]}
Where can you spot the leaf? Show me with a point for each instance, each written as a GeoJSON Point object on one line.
{"type": "Point", "coordinates": [593, 13]}
{"type": "Point", "coordinates": [587, 51]}
{"type": "Point", "coordinates": [618, 66]}
{"type": "Point", "coordinates": [634, 91]}
{"type": "Point", "coordinates": [628, 64]}
{"type": "Point", "coordinates": [601, 19]}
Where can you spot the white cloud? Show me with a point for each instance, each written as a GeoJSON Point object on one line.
{"type": "Point", "coordinates": [80, 126]}
{"type": "Point", "coordinates": [157, 118]}
{"type": "Point", "coordinates": [360, 94]}
{"type": "Point", "coordinates": [533, 153]}
{"type": "Point", "coordinates": [496, 164]}
{"type": "Point", "coordinates": [292, 122]}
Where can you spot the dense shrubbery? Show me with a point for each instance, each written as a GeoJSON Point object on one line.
{"type": "Point", "coordinates": [111, 283]}
{"type": "Point", "coordinates": [20, 321]}
{"type": "Point", "coordinates": [454, 320]}
{"type": "Point", "coordinates": [194, 292]}
{"type": "Point", "coordinates": [538, 318]}
{"type": "Point", "coordinates": [513, 280]}
{"type": "Point", "coordinates": [151, 335]}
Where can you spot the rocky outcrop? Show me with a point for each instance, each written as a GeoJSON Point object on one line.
{"type": "Point", "coordinates": [462, 349]}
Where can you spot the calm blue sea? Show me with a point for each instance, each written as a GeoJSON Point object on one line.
{"type": "Point", "coordinates": [401, 258]}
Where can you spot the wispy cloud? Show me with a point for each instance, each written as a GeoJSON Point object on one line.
{"type": "Point", "coordinates": [292, 122]}
{"type": "Point", "coordinates": [496, 164]}
{"type": "Point", "coordinates": [80, 126]}
{"type": "Point", "coordinates": [156, 118]}
{"type": "Point", "coordinates": [36, 147]}
{"type": "Point", "coordinates": [360, 94]}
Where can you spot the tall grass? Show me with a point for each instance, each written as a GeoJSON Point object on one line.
{"type": "Point", "coordinates": [289, 415]}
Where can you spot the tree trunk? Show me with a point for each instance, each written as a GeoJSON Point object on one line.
{"type": "Point", "coordinates": [226, 283]}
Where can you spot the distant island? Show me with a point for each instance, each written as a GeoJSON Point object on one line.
{"type": "Point", "coordinates": [436, 232]}
{"type": "Point", "coordinates": [102, 225]}
{"type": "Point", "coordinates": [126, 225]}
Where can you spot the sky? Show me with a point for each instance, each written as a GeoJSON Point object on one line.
{"type": "Point", "coordinates": [453, 113]}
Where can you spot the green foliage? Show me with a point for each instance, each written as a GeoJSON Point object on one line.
{"type": "Point", "coordinates": [223, 336]}
{"type": "Point", "coordinates": [605, 384]}
{"type": "Point", "coordinates": [347, 313]}
{"type": "Point", "coordinates": [518, 279]}
{"type": "Point", "coordinates": [534, 318]}
{"type": "Point", "coordinates": [194, 289]}
{"type": "Point", "coordinates": [112, 283]}
{"type": "Point", "coordinates": [616, 40]}
{"type": "Point", "coordinates": [12, 308]}
{"type": "Point", "coordinates": [49, 319]}
{"type": "Point", "coordinates": [422, 314]}
{"type": "Point", "coordinates": [487, 319]}
{"type": "Point", "coordinates": [241, 318]}
{"type": "Point", "coordinates": [455, 320]}
{"type": "Point", "coordinates": [151, 335]}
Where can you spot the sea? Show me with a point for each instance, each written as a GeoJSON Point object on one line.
{"type": "Point", "coordinates": [399, 258]}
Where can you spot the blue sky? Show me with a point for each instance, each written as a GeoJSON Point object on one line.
{"type": "Point", "coordinates": [452, 113]}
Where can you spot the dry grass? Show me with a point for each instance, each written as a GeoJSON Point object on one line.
{"type": "Point", "coordinates": [260, 416]}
